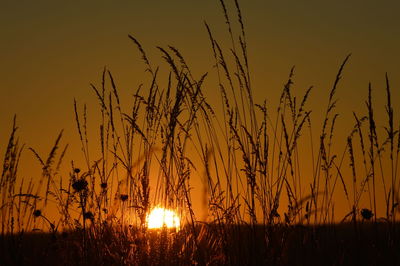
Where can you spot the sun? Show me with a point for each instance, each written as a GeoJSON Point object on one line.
{"type": "Point", "coordinates": [160, 217]}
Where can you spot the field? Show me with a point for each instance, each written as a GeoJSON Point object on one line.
{"type": "Point", "coordinates": [365, 244]}
{"type": "Point", "coordinates": [272, 181]}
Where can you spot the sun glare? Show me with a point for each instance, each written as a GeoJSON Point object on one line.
{"type": "Point", "coordinates": [160, 217]}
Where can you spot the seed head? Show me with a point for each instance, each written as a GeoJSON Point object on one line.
{"type": "Point", "coordinates": [89, 216]}
{"type": "Point", "coordinates": [37, 213]}
{"type": "Point", "coordinates": [366, 214]}
{"type": "Point", "coordinates": [79, 185]}
{"type": "Point", "coordinates": [124, 197]}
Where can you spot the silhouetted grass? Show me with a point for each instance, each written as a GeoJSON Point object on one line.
{"type": "Point", "coordinates": [248, 157]}
{"type": "Point", "coordinates": [370, 244]}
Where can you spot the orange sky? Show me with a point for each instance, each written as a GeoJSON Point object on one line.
{"type": "Point", "coordinates": [50, 53]}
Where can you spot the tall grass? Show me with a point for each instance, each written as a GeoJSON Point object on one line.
{"type": "Point", "coordinates": [249, 158]}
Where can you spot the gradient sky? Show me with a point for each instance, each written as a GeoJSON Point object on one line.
{"type": "Point", "coordinates": [50, 51]}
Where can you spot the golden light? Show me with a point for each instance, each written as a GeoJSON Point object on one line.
{"type": "Point", "coordinates": [160, 217]}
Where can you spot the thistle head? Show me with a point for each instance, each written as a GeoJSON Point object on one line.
{"type": "Point", "coordinates": [79, 185]}
{"type": "Point", "coordinates": [103, 185]}
{"type": "Point", "coordinates": [366, 214]}
{"type": "Point", "coordinates": [89, 216]}
{"type": "Point", "coordinates": [123, 197]}
{"type": "Point", "coordinates": [37, 213]}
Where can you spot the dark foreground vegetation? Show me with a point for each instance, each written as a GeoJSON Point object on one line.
{"type": "Point", "coordinates": [267, 200]}
{"type": "Point", "coordinates": [345, 244]}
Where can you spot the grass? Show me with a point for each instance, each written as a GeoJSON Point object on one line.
{"type": "Point", "coordinates": [249, 158]}
{"type": "Point", "coordinates": [296, 245]}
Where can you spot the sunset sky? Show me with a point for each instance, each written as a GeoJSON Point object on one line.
{"type": "Point", "coordinates": [50, 51]}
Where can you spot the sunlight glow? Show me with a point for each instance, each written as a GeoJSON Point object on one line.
{"type": "Point", "coordinates": [160, 217]}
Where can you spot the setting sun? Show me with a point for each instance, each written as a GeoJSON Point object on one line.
{"type": "Point", "coordinates": [160, 217]}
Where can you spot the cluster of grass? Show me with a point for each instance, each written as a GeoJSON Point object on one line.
{"type": "Point", "coordinates": [249, 161]}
